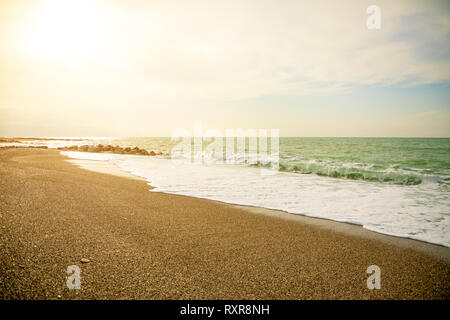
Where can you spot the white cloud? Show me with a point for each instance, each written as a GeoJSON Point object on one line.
{"type": "Point", "coordinates": [234, 49]}
{"type": "Point", "coordinates": [242, 49]}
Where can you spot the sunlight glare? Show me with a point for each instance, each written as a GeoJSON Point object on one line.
{"type": "Point", "coordinates": [67, 29]}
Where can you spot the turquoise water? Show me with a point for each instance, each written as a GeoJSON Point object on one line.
{"type": "Point", "coordinates": [396, 160]}
{"type": "Point", "coordinates": [407, 161]}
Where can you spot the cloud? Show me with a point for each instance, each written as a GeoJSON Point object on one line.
{"type": "Point", "coordinates": [252, 48]}
{"type": "Point", "coordinates": [178, 50]}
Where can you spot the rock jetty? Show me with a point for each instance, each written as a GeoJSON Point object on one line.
{"type": "Point", "coordinates": [110, 149]}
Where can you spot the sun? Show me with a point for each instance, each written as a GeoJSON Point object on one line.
{"type": "Point", "coordinates": [67, 29]}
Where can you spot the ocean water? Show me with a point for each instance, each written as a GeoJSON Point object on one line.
{"type": "Point", "coordinates": [406, 161]}
{"type": "Point", "coordinates": [396, 186]}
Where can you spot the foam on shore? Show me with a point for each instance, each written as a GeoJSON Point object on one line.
{"type": "Point", "coordinates": [103, 167]}
{"type": "Point", "coordinates": [412, 212]}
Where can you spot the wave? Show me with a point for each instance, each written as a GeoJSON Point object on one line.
{"type": "Point", "coordinates": [390, 173]}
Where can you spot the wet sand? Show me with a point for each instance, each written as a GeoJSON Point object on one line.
{"type": "Point", "coordinates": [144, 245]}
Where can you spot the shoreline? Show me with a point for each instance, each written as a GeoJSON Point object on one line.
{"type": "Point", "coordinates": [435, 250]}
{"type": "Point", "coordinates": [150, 245]}
{"type": "Point", "coordinates": [101, 166]}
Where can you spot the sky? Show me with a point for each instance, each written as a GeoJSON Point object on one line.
{"type": "Point", "coordinates": [115, 68]}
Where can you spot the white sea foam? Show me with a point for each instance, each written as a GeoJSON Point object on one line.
{"type": "Point", "coordinates": [420, 211]}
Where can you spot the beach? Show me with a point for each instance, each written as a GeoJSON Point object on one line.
{"type": "Point", "coordinates": [145, 245]}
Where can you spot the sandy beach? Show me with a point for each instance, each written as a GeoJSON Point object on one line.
{"type": "Point", "coordinates": [144, 245]}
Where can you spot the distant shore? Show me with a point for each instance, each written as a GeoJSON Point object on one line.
{"type": "Point", "coordinates": [93, 147]}
{"type": "Point", "coordinates": [144, 245]}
